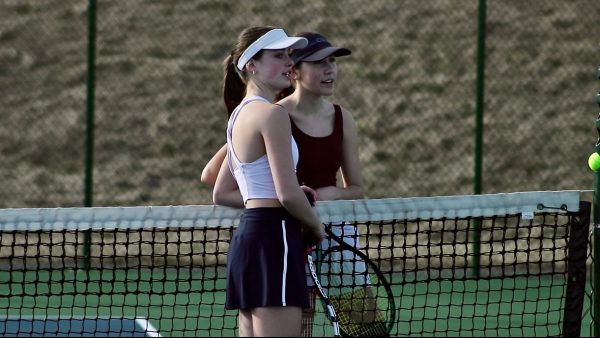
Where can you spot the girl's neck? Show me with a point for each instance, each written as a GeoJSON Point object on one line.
{"type": "Point", "coordinates": [307, 103]}
{"type": "Point", "coordinates": [254, 90]}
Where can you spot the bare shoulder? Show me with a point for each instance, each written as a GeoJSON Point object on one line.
{"type": "Point", "coordinates": [265, 111]}
{"type": "Point", "coordinates": [347, 116]}
{"type": "Point", "coordinates": [269, 117]}
{"type": "Point", "coordinates": [286, 103]}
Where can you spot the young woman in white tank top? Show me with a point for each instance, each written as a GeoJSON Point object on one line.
{"type": "Point", "coordinates": [260, 129]}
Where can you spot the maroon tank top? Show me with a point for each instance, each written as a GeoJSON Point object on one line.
{"type": "Point", "coordinates": [320, 157]}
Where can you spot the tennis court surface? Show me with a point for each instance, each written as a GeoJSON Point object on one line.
{"type": "Point", "coordinates": [513, 264]}
{"type": "Point", "coordinates": [76, 327]}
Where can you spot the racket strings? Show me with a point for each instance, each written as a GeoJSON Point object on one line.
{"type": "Point", "coordinates": [360, 300]}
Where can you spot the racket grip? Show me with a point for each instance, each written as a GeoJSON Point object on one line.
{"type": "Point", "coordinates": [309, 240]}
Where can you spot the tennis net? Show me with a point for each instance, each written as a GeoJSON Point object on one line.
{"type": "Point", "coordinates": [477, 265]}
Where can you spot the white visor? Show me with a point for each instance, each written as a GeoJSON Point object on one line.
{"type": "Point", "coordinates": [273, 39]}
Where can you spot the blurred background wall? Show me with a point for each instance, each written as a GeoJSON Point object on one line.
{"type": "Point", "coordinates": [410, 84]}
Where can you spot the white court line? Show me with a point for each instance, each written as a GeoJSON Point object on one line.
{"type": "Point", "coordinates": [151, 331]}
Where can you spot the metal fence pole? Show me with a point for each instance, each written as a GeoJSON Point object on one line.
{"type": "Point", "coordinates": [479, 108]}
{"type": "Point", "coordinates": [89, 135]}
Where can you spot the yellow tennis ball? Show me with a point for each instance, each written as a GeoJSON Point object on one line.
{"type": "Point", "coordinates": [594, 161]}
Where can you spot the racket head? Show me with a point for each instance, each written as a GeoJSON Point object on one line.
{"type": "Point", "coordinates": [357, 289]}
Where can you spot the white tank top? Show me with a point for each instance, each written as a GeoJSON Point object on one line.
{"type": "Point", "coordinates": [254, 179]}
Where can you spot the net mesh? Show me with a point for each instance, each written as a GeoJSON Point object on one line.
{"type": "Point", "coordinates": [459, 266]}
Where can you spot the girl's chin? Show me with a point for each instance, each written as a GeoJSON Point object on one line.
{"type": "Point", "coordinates": [284, 83]}
{"type": "Point", "coordinates": [326, 91]}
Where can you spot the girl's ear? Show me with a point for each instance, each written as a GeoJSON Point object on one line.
{"type": "Point", "coordinates": [250, 67]}
{"type": "Point", "coordinates": [294, 74]}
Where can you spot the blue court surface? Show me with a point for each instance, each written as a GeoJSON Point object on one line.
{"type": "Point", "coordinates": [40, 326]}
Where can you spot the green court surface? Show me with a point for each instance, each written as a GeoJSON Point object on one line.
{"type": "Point", "coordinates": [190, 302]}
{"type": "Point", "coordinates": [177, 303]}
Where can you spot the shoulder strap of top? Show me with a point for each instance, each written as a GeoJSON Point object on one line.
{"type": "Point", "coordinates": [232, 118]}
{"type": "Point", "coordinates": [339, 119]}
{"type": "Point", "coordinates": [243, 103]}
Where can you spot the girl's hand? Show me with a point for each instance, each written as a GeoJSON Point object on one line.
{"type": "Point", "coordinates": [310, 193]}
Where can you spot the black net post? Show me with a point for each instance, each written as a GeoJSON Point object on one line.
{"type": "Point", "coordinates": [577, 272]}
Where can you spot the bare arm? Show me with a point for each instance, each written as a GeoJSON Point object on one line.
{"type": "Point", "coordinates": [351, 169]}
{"type": "Point", "coordinates": [211, 170]}
{"type": "Point", "coordinates": [226, 191]}
{"type": "Point", "coordinates": [276, 132]}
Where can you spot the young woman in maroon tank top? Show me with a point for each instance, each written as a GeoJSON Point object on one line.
{"type": "Point", "coordinates": [326, 136]}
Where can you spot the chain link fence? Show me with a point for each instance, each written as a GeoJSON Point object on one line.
{"type": "Point", "coordinates": [410, 84]}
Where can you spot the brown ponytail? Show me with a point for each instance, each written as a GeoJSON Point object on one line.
{"type": "Point", "coordinates": [234, 87]}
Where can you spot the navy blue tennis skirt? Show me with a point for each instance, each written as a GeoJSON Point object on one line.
{"type": "Point", "coordinates": [265, 262]}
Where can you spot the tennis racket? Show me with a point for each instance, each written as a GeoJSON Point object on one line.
{"type": "Point", "coordinates": [358, 300]}
{"type": "Point", "coordinates": [329, 310]}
